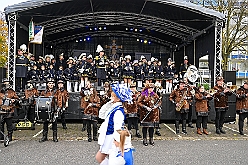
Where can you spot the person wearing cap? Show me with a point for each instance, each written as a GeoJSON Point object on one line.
{"type": "Point", "coordinates": [100, 61]}
{"type": "Point", "coordinates": [105, 95]}
{"type": "Point", "coordinates": [33, 74]}
{"type": "Point", "coordinates": [149, 103]}
{"type": "Point", "coordinates": [83, 70]}
{"type": "Point", "coordinates": [51, 72]}
{"type": "Point", "coordinates": [242, 105]}
{"type": "Point", "coordinates": [113, 72]}
{"type": "Point", "coordinates": [202, 99]}
{"type": "Point", "coordinates": [181, 97]}
{"type": "Point", "coordinates": [90, 103]}
{"type": "Point", "coordinates": [47, 61]}
{"type": "Point", "coordinates": [128, 72]}
{"type": "Point", "coordinates": [62, 101]}
{"type": "Point", "coordinates": [21, 70]}
{"type": "Point", "coordinates": [69, 77]}
{"type": "Point", "coordinates": [40, 62]}
{"type": "Point", "coordinates": [60, 62]}
{"type": "Point", "coordinates": [146, 68]}
{"type": "Point", "coordinates": [113, 114]}
{"type": "Point", "coordinates": [43, 75]}
{"type": "Point", "coordinates": [30, 94]}
{"type": "Point", "coordinates": [158, 72]}
{"type": "Point", "coordinates": [220, 103]}
{"type": "Point", "coordinates": [132, 111]}
{"type": "Point", "coordinates": [32, 62]}
{"type": "Point", "coordinates": [184, 66]}
{"type": "Point", "coordinates": [8, 99]}
{"type": "Point", "coordinates": [139, 72]}
{"type": "Point", "coordinates": [122, 150]}
{"type": "Point", "coordinates": [169, 71]}
{"type": "Point", "coordinates": [49, 92]}
{"type": "Point", "coordinates": [84, 93]}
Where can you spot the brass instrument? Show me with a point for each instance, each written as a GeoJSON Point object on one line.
{"type": "Point", "coordinates": [182, 101]}
{"type": "Point", "coordinates": [211, 91]}
{"type": "Point", "coordinates": [87, 95]}
{"type": "Point", "coordinates": [232, 88]}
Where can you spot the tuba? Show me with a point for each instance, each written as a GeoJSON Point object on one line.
{"type": "Point", "coordinates": [192, 73]}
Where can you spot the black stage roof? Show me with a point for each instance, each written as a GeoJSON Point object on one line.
{"type": "Point", "coordinates": [166, 22]}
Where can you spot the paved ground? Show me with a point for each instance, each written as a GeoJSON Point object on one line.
{"type": "Point", "coordinates": [73, 148]}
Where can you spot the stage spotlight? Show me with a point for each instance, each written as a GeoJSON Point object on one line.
{"type": "Point", "coordinates": [137, 39]}
{"type": "Point", "coordinates": [90, 28]}
{"type": "Point", "coordinates": [145, 41]}
{"type": "Point", "coordinates": [88, 38]}
{"type": "Point", "coordinates": [95, 28]}
{"type": "Point", "coordinates": [84, 39]}
{"type": "Point", "coordinates": [51, 46]}
{"type": "Point", "coordinates": [80, 40]}
{"type": "Point", "coordinates": [140, 30]}
{"type": "Point", "coordinates": [105, 28]}
{"type": "Point", "coordinates": [100, 28]}
{"type": "Point", "coordinates": [131, 29]}
{"type": "Point", "coordinates": [126, 28]}
{"type": "Point", "coordinates": [136, 30]}
{"type": "Point", "coordinates": [76, 40]}
{"type": "Point", "coordinates": [141, 40]}
{"type": "Point", "coordinates": [149, 42]}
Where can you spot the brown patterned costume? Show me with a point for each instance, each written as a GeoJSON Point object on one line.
{"type": "Point", "coordinates": [221, 107]}
{"type": "Point", "coordinates": [242, 105]}
{"type": "Point", "coordinates": [8, 107]}
{"type": "Point", "coordinates": [132, 113]}
{"type": "Point", "coordinates": [90, 102]}
{"type": "Point", "coordinates": [202, 110]}
{"type": "Point", "coordinates": [176, 97]}
{"type": "Point", "coordinates": [30, 94]}
{"type": "Point", "coordinates": [149, 102]}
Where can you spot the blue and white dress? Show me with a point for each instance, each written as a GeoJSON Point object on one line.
{"type": "Point", "coordinates": [113, 115]}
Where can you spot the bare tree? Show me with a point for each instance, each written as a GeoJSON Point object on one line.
{"type": "Point", "coordinates": [235, 33]}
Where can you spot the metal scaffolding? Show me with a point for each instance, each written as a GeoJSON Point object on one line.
{"type": "Point", "coordinates": [12, 49]}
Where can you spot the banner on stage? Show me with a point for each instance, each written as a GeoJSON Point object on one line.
{"type": "Point", "coordinates": [31, 30]}
{"type": "Point", "coordinates": [38, 33]}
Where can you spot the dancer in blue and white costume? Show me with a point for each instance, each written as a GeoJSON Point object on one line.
{"type": "Point", "coordinates": [113, 114]}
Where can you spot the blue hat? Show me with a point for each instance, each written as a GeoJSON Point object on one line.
{"type": "Point", "coordinates": [122, 92]}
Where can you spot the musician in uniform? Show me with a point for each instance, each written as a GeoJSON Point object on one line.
{"type": "Point", "coordinates": [220, 103]}
{"type": "Point", "coordinates": [202, 99]}
{"type": "Point", "coordinates": [33, 74]}
{"type": "Point", "coordinates": [158, 73]}
{"type": "Point", "coordinates": [30, 93]}
{"type": "Point", "coordinates": [132, 110]}
{"type": "Point", "coordinates": [242, 105]}
{"type": "Point", "coordinates": [101, 68]}
{"type": "Point", "coordinates": [68, 72]}
{"type": "Point", "coordinates": [184, 66]}
{"type": "Point", "coordinates": [128, 71]}
{"type": "Point", "coordinates": [21, 69]}
{"type": "Point", "coordinates": [62, 100]}
{"type": "Point", "coordinates": [91, 104]}
{"type": "Point", "coordinates": [139, 72]}
{"type": "Point", "coordinates": [181, 98]}
{"type": "Point", "coordinates": [105, 94]}
{"type": "Point", "coordinates": [43, 75]}
{"type": "Point", "coordinates": [83, 70]}
{"type": "Point", "coordinates": [148, 103]}
{"type": "Point", "coordinates": [40, 62]}
{"type": "Point", "coordinates": [84, 93]}
{"type": "Point", "coordinates": [169, 71]}
{"type": "Point", "coordinates": [8, 99]}
{"type": "Point", "coordinates": [49, 92]}
{"type": "Point", "coordinates": [60, 62]}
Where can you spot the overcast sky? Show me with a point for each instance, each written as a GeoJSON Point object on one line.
{"type": "Point", "coordinates": [5, 3]}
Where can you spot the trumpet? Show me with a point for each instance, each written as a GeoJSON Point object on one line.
{"type": "Point", "coordinates": [232, 88]}
{"type": "Point", "coordinates": [211, 91]}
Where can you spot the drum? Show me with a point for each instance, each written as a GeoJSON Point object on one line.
{"type": "Point", "coordinates": [44, 108]}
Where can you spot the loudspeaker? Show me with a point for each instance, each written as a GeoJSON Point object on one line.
{"type": "Point", "coordinates": [230, 76]}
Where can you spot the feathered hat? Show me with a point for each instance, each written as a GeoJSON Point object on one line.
{"type": "Point", "coordinates": [122, 92]}
{"type": "Point", "coordinates": [99, 49]}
